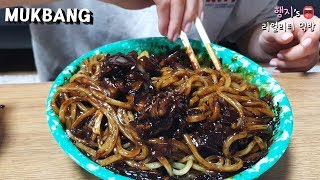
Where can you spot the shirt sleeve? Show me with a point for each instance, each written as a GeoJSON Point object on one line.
{"type": "Point", "coordinates": [246, 15]}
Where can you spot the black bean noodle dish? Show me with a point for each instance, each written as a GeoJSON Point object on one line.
{"type": "Point", "coordinates": [149, 116]}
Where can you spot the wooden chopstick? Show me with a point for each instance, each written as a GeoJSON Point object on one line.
{"type": "Point", "coordinates": [189, 50]}
{"type": "Point", "coordinates": [205, 39]}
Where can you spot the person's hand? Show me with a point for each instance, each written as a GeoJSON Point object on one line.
{"type": "Point", "coordinates": [294, 50]}
{"type": "Point", "coordinates": [177, 15]}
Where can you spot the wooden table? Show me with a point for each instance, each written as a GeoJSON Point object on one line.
{"type": "Point", "coordinates": [28, 151]}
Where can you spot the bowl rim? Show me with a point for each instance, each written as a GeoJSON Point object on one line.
{"type": "Point", "coordinates": [253, 172]}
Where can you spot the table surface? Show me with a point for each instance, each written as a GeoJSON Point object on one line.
{"type": "Point", "coordinates": [28, 151]}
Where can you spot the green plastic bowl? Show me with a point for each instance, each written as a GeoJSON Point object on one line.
{"type": "Point", "coordinates": [234, 61]}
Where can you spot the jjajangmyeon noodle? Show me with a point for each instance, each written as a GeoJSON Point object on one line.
{"type": "Point", "coordinates": [147, 116]}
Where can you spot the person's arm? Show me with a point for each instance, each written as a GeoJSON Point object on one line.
{"type": "Point", "coordinates": [249, 45]}
{"type": "Point", "coordinates": [127, 4]}
{"type": "Point", "coordinates": [292, 50]}
{"type": "Point", "coordinates": [248, 42]}
{"type": "Point", "coordinates": [174, 15]}
{"type": "Point", "coordinates": [286, 50]}
{"type": "Point", "coordinates": [130, 4]}
{"type": "Point", "coordinates": [12, 3]}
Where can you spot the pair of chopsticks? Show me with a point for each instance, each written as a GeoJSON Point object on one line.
{"type": "Point", "coordinates": [206, 41]}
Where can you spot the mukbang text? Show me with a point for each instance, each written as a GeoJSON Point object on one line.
{"type": "Point", "coordinates": [47, 15]}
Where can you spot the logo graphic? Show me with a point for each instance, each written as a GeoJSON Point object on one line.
{"type": "Point", "coordinates": [308, 12]}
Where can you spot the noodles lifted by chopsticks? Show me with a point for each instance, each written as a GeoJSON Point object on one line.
{"type": "Point", "coordinates": [155, 117]}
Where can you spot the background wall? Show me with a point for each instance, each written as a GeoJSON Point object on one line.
{"type": "Point", "coordinates": [15, 47]}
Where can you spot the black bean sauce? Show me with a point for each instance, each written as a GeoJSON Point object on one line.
{"type": "Point", "coordinates": [163, 114]}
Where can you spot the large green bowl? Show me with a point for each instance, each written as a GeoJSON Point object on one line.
{"type": "Point", "coordinates": [252, 72]}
